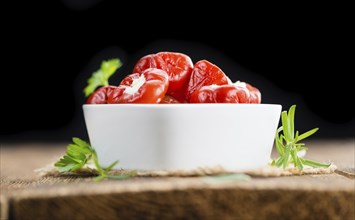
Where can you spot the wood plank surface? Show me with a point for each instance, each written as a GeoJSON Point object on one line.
{"type": "Point", "coordinates": [25, 195]}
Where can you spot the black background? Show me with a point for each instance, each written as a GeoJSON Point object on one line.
{"type": "Point", "coordinates": [298, 56]}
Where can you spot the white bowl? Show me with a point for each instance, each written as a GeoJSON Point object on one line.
{"type": "Point", "coordinates": [182, 136]}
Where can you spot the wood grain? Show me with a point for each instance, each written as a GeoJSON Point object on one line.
{"type": "Point", "coordinates": [24, 195]}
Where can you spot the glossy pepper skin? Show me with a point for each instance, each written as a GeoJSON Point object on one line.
{"type": "Point", "coordinates": [220, 94]}
{"type": "Point", "coordinates": [149, 61]}
{"type": "Point", "coordinates": [167, 99]}
{"type": "Point", "coordinates": [205, 73]}
{"type": "Point", "coordinates": [100, 96]}
{"type": "Point", "coordinates": [255, 94]}
{"type": "Point", "coordinates": [177, 65]}
{"type": "Point", "coordinates": [203, 82]}
{"type": "Point", "coordinates": [148, 87]}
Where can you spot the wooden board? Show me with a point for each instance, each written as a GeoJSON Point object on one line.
{"type": "Point", "coordinates": [24, 195]}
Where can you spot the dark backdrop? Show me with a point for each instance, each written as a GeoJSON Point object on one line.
{"type": "Point", "coordinates": [296, 56]}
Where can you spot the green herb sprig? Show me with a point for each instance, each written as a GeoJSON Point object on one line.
{"type": "Point", "coordinates": [287, 143]}
{"type": "Point", "coordinates": [80, 153]}
{"type": "Point", "coordinates": [101, 76]}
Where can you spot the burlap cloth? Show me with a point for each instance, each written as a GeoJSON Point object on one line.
{"type": "Point", "coordinates": [267, 171]}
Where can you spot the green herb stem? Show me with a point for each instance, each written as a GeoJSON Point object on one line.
{"type": "Point", "coordinates": [287, 143]}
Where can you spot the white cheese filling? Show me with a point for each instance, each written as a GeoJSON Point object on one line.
{"type": "Point", "coordinates": [136, 85]}
{"type": "Point", "coordinates": [213, 86]}
{"type": "Point", "coordinates": [241, 84]}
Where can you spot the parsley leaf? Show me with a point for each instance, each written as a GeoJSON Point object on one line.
{"type": "Point", "coordinates": [287, 143]}
{"type": "Point", "coordinates": [80, 153]}
{"type": "Point", "coordinates": [101, 76]}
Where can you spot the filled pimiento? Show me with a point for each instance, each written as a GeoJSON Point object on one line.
{"type": "Point", "coordinates": [170, 78]}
